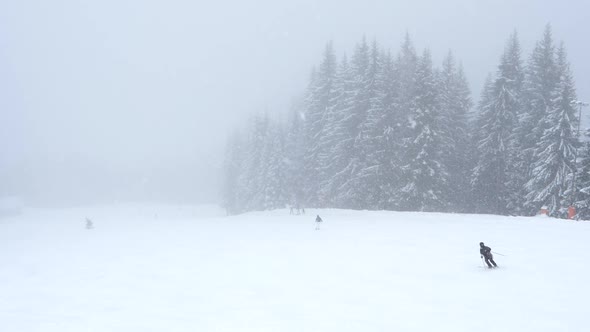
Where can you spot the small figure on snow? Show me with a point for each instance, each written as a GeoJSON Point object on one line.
{"type": "Point", "coordinates": [318, 220]}
{"type": "Point", "coordinates": [296, 209]}
{"type": "Point", "coordinates": [486, 252]}
{"type": "Point", "coordinates": [89, 224]}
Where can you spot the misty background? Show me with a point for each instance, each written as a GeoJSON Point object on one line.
{"type": "Point", "coordinates": [114, 101]}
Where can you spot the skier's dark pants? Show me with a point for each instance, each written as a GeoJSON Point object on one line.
{"type": "Point", "coordinates": [490, 259]}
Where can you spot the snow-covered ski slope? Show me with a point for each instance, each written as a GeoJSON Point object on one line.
{"type": "Point", "coordinates": [155, 268]}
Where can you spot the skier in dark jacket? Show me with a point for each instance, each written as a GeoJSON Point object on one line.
{"type": "Point", "coordinates": [318, 220]}
{"type": "Point", "coordinates": [486, 252]}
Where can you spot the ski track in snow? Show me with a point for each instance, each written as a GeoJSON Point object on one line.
{"type": "Point", "coordinates": [161, 268]}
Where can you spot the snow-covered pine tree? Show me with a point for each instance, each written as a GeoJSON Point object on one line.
{"type": "Point", "coordinates": [382, 170]}
{"type": "Point", "coordinates": [539, 85]}
{"type": "Point", "coordinates": [405, 68]}
{"type": "Point", "coordinates": [400, 128]}
{"type": "Point", "coordinates": [254, 165]}
{"type": "Point", "coordinates": [388, 146]}
{"type": "Point", "coordinates": [583, 181]}
{"type": "Point", "coordinates": [516, 169]}
{"type": "Point", "coordinates": [274, 180]}
{"type": "Point", "coordinates": [538, 88]}
{"type": "Point", "coordinates": [333, 134]}
{"type": "Point", "coordinates": [320, 96]}
{"type": "Point", "coordinates": [555, 153]}
{"type": "Point", "coordinates": [293, 156]}
{"type": "Point", "coordinates": [325, 148]}
{"type": "Point", "coordinates": [340, 139]}
{"type": "Point", "coordinates": [424, 170]}
{"type": "Point", "coordinates": [497, 121]}
{"type": "Point", "coordinates": [366, 178]}
{"type": "Point", "coordinates": [455, 104]}
{"type": "Point", "coordinates": [360, 94]}
{"type": "Point", "coordinates": [483, 105]}
{"type": "Point", "coordinates": [478, 120]}
{"type": "Point", "coordinates": [564, 103]}
{"type": "Point", "coordinates": [232, 166]}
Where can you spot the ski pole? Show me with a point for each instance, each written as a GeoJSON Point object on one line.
{"type": "Point", "coordinates": [497, 253]}
{"type": "Point", "coordinates": [482, 262]}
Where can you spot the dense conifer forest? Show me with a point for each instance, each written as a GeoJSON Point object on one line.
{"type": "Point", "coordinates": [394, 131]}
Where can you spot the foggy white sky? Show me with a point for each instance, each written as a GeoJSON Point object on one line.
{"type": "Point", "coordinates": [114, 100]}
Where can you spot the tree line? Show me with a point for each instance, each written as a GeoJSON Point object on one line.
{"type": "Point", "coordinates": [395, 132]}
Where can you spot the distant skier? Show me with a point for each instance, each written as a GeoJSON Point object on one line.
{"type": "Point", "coordinates": [318, 220]}
{"type": "Point", "coordinates": [89, 224]}
{"type": "Point", "coordinates": [486, 252]}
{"type": "Point", "coordinates": [295, 209]}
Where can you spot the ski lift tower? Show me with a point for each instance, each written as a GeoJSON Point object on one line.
{"type": "Point", "coordinates": [571, 211]}
{"type": "Point", "coordinates": [580, 105]}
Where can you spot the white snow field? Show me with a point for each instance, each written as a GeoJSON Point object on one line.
{"type": "Point", "coordinates": [156, 268]}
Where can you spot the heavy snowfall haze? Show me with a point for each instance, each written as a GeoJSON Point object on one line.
{"type": "Point", "coordinates": [111, 101]}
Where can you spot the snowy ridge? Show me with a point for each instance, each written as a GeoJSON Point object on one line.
{"type": "Point", "coordinates": [194, 269]}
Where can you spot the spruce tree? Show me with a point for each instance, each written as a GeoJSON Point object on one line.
{"type": "Point", "coordinates": [538, 89]}
{"type": "Point", "coordinates": [232, 166]}
{"type": "Point", "coordinates": [388, 146]}
{"type": "Point", "coordinates": [365, 179]}
{"type": "Point", "coordinates": [341, 138]}
{"type": "Point", "coordinates": [399, 128]}
{"type": "Point", "coordinates": [424, 171]}
{"type": "Point", "coordinates": [293, 156]}
{"type": "Point", "coordinates": [555, 153]}
{"type": "Point", "coordinates": [255, 164]}
{"type": "Point", "coordinates": [583, 181]}
{"type": "Point", "coordinates": [455, 103]}
{"type": "Point", "coordinates": [321, 94]}
{"type": "Point", "coordinates": [349, 193]}
{"type": "Point", "coordinates": [381, 169]}
{"type": "Point", "coordinates": [498, 120]}
{"type": "Point", "coordinates": [274, 179]}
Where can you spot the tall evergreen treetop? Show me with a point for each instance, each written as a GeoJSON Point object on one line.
{"type": "Point", "coordinates": [554, 166]}
{"type": "Point", "coordinates": [539, 85]}
{"type": "Point", "coordinates": [498, 121]}
{"type": "Point", "coordinates": [321, 95]}
{"type": "Point", "coordinates": [424, 170]}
